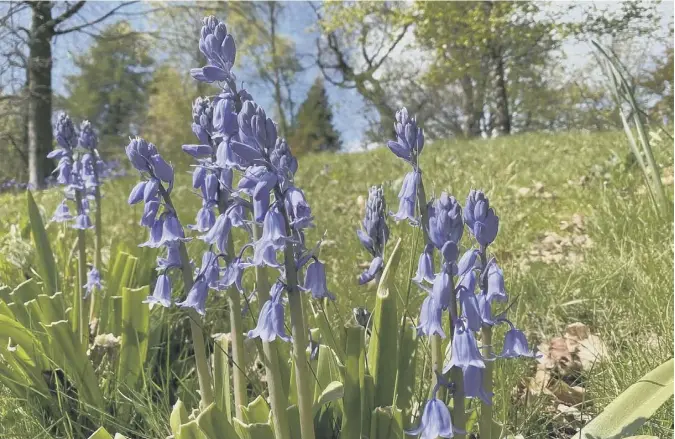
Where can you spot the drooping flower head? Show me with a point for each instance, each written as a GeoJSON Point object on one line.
{"type": "Point", "coordinates": [445, 221]}
{"type": "Point", "coordinates": [271, 319]}
{"type": "Point", "coordinates": [93, 282]}
{"type": "Point", "coordinates": [315, 281]}
{"type": "Point", "coordinates": [409, 138]}
{"type": "Point", "coordinates": [481, 218]}
{"type": "Point", "coordinates": [219, 49]}
{"type": "Point", "coordinates": [436, 420]}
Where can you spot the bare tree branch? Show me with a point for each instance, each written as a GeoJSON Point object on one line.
{"type": "Point", "coordinates": [94, 22]}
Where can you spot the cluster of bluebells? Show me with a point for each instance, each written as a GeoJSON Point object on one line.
{"type": "Point", "coordinates": [471, 284]}
{"type": "Point", "coordinates": [233, 134]}
{"type": "Point", "coordinates": [78, 170]}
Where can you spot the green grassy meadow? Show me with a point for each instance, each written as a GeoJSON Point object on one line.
{"type": "Point", "coordinates": [579, 241]}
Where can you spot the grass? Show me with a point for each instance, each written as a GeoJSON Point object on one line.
{"type": "Point", "coordinates": [621, 286]}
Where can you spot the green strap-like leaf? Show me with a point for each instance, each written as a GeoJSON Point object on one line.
{"type": "Point", "coordinates": [178, 417]}
{"type": "Point", "coordinates": [101, 433]}
{"type": "Point", "coordinates": [135, 327]}
{"type": "Point", "coordinates": [214, 424]}
{"type": "Point", "coordinates": [386, 423]}
{"type": "Point", "coordinates": [383, 346]}
{"type": "Point", "coordinates": [633, 407]}
{"type": "Point", "coordinates": [354, 357]}
{"type": "Point", "coordinates": [45, 256]}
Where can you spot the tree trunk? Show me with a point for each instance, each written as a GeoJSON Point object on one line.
{"type": "Point", "coordinates": [278, 98]}
{"type": "Point", "coordinates": [503, 118]}
{"type": "Point", "coordinates": [40, 94]}
{"type": "Point", "coordinates": [473, 108]}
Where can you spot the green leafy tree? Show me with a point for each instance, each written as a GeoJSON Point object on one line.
{"type": "Point", "coordinates": [314, 130]}
{"type": "Point", "coordinates": [112, 89]}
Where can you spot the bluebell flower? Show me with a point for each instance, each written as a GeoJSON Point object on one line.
{"type": "Point", "coordinates": [425, 266]}
{"type": "Point", "coordinates": [441, 289]}
{"type": "Point", "coordinates": [408, 197]}
{"type": "Point", "coordinates": [162, 292]}
{"type": "Point", "coordinates": [297, 208]}
{"type": "Point", "coordinates": [87, 138]}
{"type": "Point", "coordinates": [58, 154]}
{"type": "Point", "coordinates": [202, 120]}
{"type": "Point", "coordinates": [485, 309]}
{"type": "Point", "coordinates": [233, 275]}
{"type": "Point", "coordinates": [470, 308]}
{"type": "Point", "coordinates": [210, 268]}
{"type": "Point", "coordinates": [93, 282]}
{"type": "Point", "coordinates": [258, 182]}
{"type": "Point", "coordinates": [315, 281]}
{"type": "Point", "coordinates": [209, 189]}
{"type": "Point", "coordinates": [481, 218]}
{"type": "Point", "coordinates": [473, 384]}
{"type": "Point", "coordinates": [436, 421]}
{"type": "Point", "coordinates": [64, 168]}
{"type": "Point", "coordinates": [256, 130]}
{"type": "Point", "coordinates": [82, 222]}
{"type": "Point", "coordinates": [409, 137]}
{"type": "Point", "coordinates": [139, 152]}
{"type": "Point", "coordinates": [172, 259]}
{"type": "Point", "coordinates": [225, 124]}
{"type": "Point", "coordinates": [371, 272]}
{"type": "Point", "coordinates": [271, 319]}
{"type": "Point", "coordinates": [161, 169]}
{"type": "Point", "coordinates": [218, 234]}
{"type": "Point", "coordinates": [64, 132]}
{"type": "Point", "coordinates": [196, 298]}
{"type": "Point", "coordinates": [219, 49]}
{"type": "Point", "coordinates": [205, 219]}
{"type": "Point", "coordinates": [171, 230]}
{"type": "Point", "coordinates": [515, 345]}
{"type": "Point", "coordinates": [150, 213]}
{"type": "Point", "coordinates": [62, 213]}
{"type": "Point", "coordinates": [450, 251]}
{"type": "Point", "coordinates": [375, 232]}
{"type": "Point", "coordinates": [495, 282]}
{"type": "Point", "coordinates": [283, 162]}
{"type": "Point", "coordinates": [430, 318]}
{"type": "Point", "coordinates": [156, 232]}
{"type": "Point", "coordinates": [198, 177]}
{"type": "Point", "coordinates": [465, 353]}
{"type": "Point", "coordinates": [445, 221]}
{"type": "Point", "coordinates": [198, 151]}
{"type": "Point", "coordinates": [469, 261]}
{"type": "Point", "coordinates": [137, 193]}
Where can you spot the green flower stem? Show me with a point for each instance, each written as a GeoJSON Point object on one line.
{"type": "Point", "coordinates": [203, 373]}
{"type": "Point", "coordinates": [485, 420]}
{"type": "Point", "coordinates": [98, 242]}
{"type": "Point", "coordinates": [236, 327]}
{"type": "Point", "coordinates": [298, 332]}
{"type": "Point", "coordinates": [456, 376]}
{"type": "Point", "coordinates": [79, 302]}
{"type": "Point", "coordinates": [278, 399]}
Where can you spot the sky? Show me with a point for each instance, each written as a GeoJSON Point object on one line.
{"type": "Point", "coordinates": [348, 107]}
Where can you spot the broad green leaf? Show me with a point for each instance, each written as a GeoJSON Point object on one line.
{"type": "Point", "coordinates": [642, 436]}
{"type": "Point", "coordinates": [257, 411]}
{"type": "Point", "coordinates": [221, 375]}
{"type": "Point", "coordinates": [45, 256]}
{"type": "Point", "coordinates": [367, 400]}
{"type": "Point", "coordinates": [333, 391]}
{"type": "Point", "coordinates": [178, 417]}
{"type": "Point", "coordinates": [327, 370]}
{"type": "Point", "coordinates": [354, 357]}
{"type": "Point", "coordinates": [119, 436]}
{"type": "Point", "coordinates": [120, 276]}
{"type": "Point", "coordinates": [383, 345]}
{"type": "Point", "coordinates": [293, 416]}
{"type": "Point", "coordinates": [135, 326]}
{"type": "Point", "coordinates": [253, 431]}
{"type": "Point", "coordinates": [405, 379]}
{"type": "Point", "coordinates": [190, 431]}
{"type": "Point", "coordinates": [76, 363]}
{"type": "Point", "coordinates": [633, 407]}
{"type": "Point", "coordinates": [101, 433]}
{"type": "Point", "coordinates": [386, 423]}
{"type": "Point", "coordinates": [214, 424]}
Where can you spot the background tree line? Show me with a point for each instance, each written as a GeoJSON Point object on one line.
{"type": "Point", "coordinates": [467, 68]}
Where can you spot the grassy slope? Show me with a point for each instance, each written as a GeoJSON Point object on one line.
{"type": "Point", "coordinates": [622, 288]}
